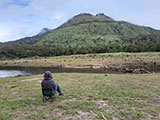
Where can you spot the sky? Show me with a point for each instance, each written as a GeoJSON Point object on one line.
{"type": "Point", "coordinates": [23, 18]}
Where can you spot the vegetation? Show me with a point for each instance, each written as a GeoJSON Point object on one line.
{"type": "Point", "coordinates": [112, 61]}
{"type": "Point", "coordinates": [83, 34]}
{"type": "Point", "coordinates": [86, 96]}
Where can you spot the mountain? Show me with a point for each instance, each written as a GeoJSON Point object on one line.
{"type": "Point", "coordinates": [86, 33]}
{"type": "Point", "coordinates": [44, 30]}
{"type": "Point", "coordinates": [86, 18]}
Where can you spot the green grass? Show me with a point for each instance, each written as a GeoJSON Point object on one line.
{"type": "Point", "coordinates": [117, 54]}
{"type": "Point", "coordinates": [125, 54]}
{"type": "Point", "coordinates": [86, 96]}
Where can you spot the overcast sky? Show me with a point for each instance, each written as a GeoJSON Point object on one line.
{"type": "Point", "coordinates": [21, 18]}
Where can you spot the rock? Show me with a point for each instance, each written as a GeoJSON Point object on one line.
{"type": "Point", "coordinates": [127, 70]}
{"type": "Point", "coordinates": [105, 75]}
{"type": "Point", "coordinates": [154, 63]}
{"type": "Point", "coordinates": [18, 75]}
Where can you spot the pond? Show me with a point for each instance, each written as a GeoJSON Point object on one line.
{"type": "Point", "coordinates": [21, 71]}
{"type": "Point", "coordinates": [11, 73]}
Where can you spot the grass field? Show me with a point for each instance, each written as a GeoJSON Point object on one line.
{"type": "Point", "coordinates": [86, 97]}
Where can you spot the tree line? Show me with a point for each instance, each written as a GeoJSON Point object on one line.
{"type": "Point", "coordinates": [23, 51]}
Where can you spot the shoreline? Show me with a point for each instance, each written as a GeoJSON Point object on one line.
{"type": "Point", "coordinates": [131, 68]}
{"type": "Point", "coordinates": [115, 62]}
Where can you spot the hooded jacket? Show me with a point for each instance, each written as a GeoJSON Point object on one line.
{"type": "Point", "coordinates": [48, 82]}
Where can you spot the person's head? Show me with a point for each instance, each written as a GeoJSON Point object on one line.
{"type": "Point", "coordinates": [48, 75]}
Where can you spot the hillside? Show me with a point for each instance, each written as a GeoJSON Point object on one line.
{"type": "Point", "coordinates": [85, 33]}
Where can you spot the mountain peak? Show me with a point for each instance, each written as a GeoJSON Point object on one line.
{"type": "Point", "coordinates": [100, 14]}
{"type": "Point", "coordinates": [44, 30]}
{"type": "Point", "coordinates": [82, 14]}
{"type": "Point", "coordinates": [83, 18]}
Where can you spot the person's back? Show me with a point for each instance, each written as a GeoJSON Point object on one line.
{"type": "Point", "coordinates": [48, 83]}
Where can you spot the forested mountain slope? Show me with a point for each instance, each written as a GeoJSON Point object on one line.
{"type": "Point", "coordinates": [85, 33]}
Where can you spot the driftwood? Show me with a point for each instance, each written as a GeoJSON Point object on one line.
{"type": "Point", "coordinates": [141, 70]}
{"type": "Point", "coordinates": [137, 71]}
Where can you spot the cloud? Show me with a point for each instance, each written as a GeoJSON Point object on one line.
{"type": "Point", "coordinates": [4, 3]}
{"type": "Point", "coordinates": [4, 35]}
{"type": "Point", "coordinates": [14, 32]}
{"type": "Point", "coordinates": [58, 17]}
{"type": "Point", "coordinates": [19, 20]}
{"type": "Point", "coordinates": [146, 13]}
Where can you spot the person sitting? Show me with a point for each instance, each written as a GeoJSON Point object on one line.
{"type": "Point", "coordinates": [48, 83]}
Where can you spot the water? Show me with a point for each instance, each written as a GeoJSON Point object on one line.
{"type": "Point", "coordinates": [11, 73]}
{"type": "Point", "coordinates": [21, 71]}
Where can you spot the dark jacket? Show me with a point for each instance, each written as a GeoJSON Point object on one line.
{"type": "Point", "coordinates": [48, 82]}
